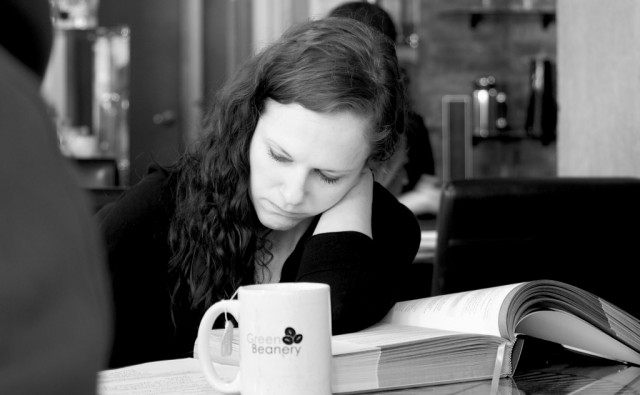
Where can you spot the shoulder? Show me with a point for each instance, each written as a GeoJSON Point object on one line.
{"type": "Point", "coordinates": [393, 221]}
{"type": "Point", "coordinates": [156, 187]}
{"type": "Point", "coordinates": [152, 199]}
{"type": "Point", "coordinates": [387, 208]}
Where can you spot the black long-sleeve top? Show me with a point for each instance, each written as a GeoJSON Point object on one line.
{"type": "Point", "coordinates": [364, 274]}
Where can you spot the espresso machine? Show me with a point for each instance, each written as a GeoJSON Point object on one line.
{"type": "Point", "coordinates": [489, 107]}
{"type": "Point", "coordinates": [86, 88]}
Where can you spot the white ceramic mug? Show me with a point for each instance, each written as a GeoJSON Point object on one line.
{"type": "Point", "coordinates": [284, 340]}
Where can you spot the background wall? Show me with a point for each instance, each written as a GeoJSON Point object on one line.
{"type": "Point", "coordinates": [451, 54]}
{"type": "Point", "coordinates": [183, 50]}
{"type": "Point", "coordinates": [181, 55]}
{"type": "Point", "coordinates": [599, 66]}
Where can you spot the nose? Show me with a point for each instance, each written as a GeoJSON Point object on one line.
{"type": "Point", "coordinates": [294, 188]}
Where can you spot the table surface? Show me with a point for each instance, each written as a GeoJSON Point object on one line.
{"type": "Point", "coordinates": [614, 379]}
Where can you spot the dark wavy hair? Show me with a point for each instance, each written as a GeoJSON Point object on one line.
{"type": "Point", "coordinates": [327, 65]}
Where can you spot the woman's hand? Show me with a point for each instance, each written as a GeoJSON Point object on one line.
{"type": "Point", "coordinates": [353, 211]}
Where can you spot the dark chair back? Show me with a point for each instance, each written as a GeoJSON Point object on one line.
{"type": "Point", "coordinates": [580, 230]}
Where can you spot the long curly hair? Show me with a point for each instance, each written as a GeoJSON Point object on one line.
{"type": "Point", "coordinates": [327, 65]}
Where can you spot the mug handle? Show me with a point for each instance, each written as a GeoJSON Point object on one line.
{"type": "Point", "coordinates": [204, 332]}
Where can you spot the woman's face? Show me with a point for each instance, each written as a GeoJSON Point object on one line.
{"type": "Point", "coordinates": [303, 162]}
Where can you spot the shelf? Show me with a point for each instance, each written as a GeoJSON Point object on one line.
{"type": "Point", "coordinates": [502, 137]}
{"type": "Point", "coordinates": [508, 137]}
{"type": "Point", "coordinates": [477, 14]}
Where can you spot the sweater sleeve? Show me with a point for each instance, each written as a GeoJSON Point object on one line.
{"type": "Point", "coordinates": [135, 231]}
{"type": "Point", "coordinates": [363, 273]}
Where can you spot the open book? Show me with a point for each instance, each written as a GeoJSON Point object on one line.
{"type": "Point", "coordinates": [468, 338]}
{"type": "Point", "coordinates": [473, 335]}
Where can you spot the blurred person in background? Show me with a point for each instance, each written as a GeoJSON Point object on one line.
{"type": "Point", "coordinates": [410, 175]}
{"type": "Point", "coordinates": [54, 299]}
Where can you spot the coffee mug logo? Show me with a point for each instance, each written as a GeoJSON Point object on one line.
{"type": "Point", "coordinates": [289, 344]}
{"type": "Point", "coordinates": [291, 337]}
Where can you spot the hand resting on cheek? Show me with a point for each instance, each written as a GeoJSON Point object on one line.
{"type": "Point", "coordinates": [353, 211]}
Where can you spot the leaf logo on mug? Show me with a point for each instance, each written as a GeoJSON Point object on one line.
{"type": "Point", "coordinates": [290, 336]}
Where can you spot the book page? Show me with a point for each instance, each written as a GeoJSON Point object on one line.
{"type": "Point", "coordinates": [176, 376]}
{"type": "Point", "coordinates": [393, 356]}
{"type": "Point", "coordinates": [573, 332]}
{"type": "Point", "coordinates": [476, 311]}
{"type": "Point", "coordinates": [384, 334]}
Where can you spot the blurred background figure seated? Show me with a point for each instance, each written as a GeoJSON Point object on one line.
{"type": "Point", "coordinates": [410, 173]}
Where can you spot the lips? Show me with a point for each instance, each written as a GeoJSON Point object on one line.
{"type": "Point", "coordinates": [279, 211]}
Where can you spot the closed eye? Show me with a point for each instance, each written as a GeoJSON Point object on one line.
{"type": "Point", "coordinates": [326, 178]}
{"type": "Point", "coordinates": [278, 158]}
{"type": "Point", "coordinates": [284, 159]}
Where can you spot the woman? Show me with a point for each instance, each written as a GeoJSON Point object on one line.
{"type": "Point", "coordinates": [278, 188]}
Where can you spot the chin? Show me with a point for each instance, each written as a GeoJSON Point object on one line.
{"type": "Point", "coordinates": [277, 223]}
